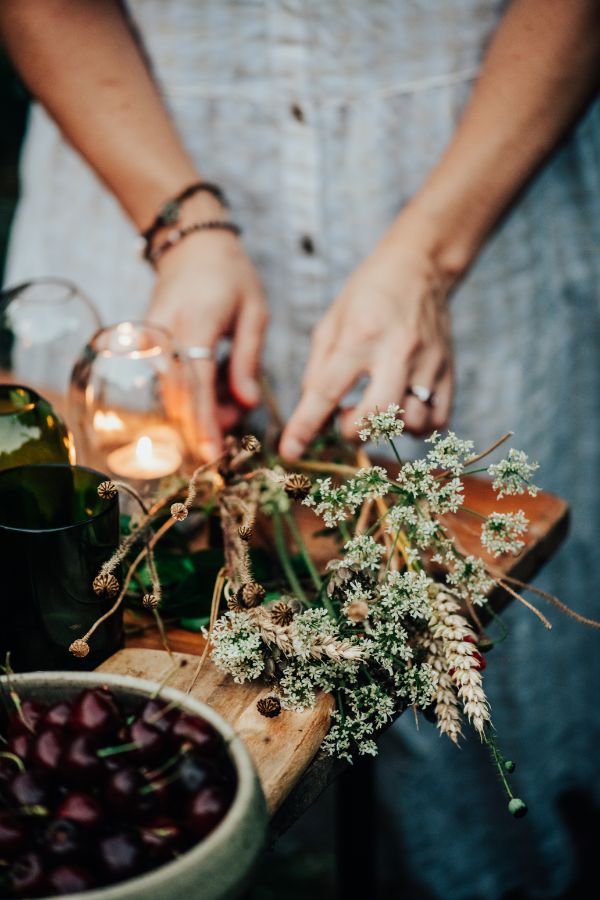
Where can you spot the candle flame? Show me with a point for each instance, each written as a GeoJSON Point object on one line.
{"type": "Point", "coordinates": [144, 451]}
{"type": "Point", "coordinates": [107, 421]}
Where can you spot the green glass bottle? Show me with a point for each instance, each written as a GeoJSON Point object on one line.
{"type": "Point", "coordinates": [30, 430]}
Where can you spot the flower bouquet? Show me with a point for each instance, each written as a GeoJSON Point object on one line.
{"type": "Point", "coordinates": [393, 620]}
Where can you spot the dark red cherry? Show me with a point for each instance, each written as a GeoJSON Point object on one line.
{"type": "Point", "coordinates": [58, 715]}
{"type": "Point", "coordinates": [26, 876]}
{"type": "Point", "coordinates": [200, 733]}
{"type": "Point", "coordinates": [123, 788]}
{"type": "Point", "coordinates": [120, 856]}
{"type": "Point", "coordinates": [80, 808]}
{"type": "Point", "coordinates": [195, 773]}
{"type": "Point", "coordinates": [21, 745]}
{"type": "Point", "coordinates": [81, 762]}
{"type": "Point", "coordinates": [29, 789]}
{"type": "Point", "coordinates": [70, 879]}
{"type": "Point", "coordinates": [95, 712]}
{"type": "Point", "coordinates": [205, 811]}
{"type": "Point", "coordinates": [160, 837]}
{"type": "Point", "coordinates": [28, 717]}
{"type": "Point", "coordinates": [62, 839]}
{"type": "Point", "coordinates": [48, 749]}
{"type": "Point", "coordinates": [13, 836]}
{"type": "Point", "coordinates": [159, 715]}
{"type": "Point", "coordinates": [150, 742]}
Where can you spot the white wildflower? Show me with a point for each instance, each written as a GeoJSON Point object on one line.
{"type": "Point", "coordinates": [335, 503]}
{"type": "Point", "coordinates": [469, 578]}
{"type": "Point", "coordinates": [237, 646]}
{"type": "Point", "coordinates": [449, 453]}
{"type": "Point", "coordinates": [378, 426]}
{"type": "Point", "coordinates": [501, 533]}
{"type": "Point", "coordinates": [512, 475]}
{"type": "Point", "coordinates": [405, 594]}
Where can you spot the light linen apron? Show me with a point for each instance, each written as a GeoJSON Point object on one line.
{"type": "Point", "coordinates": [321, 119]}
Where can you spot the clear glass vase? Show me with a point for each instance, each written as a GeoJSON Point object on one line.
{"type": "Point", "coordinates": [44, 323]}
{"type": "Point", "coordinates": [131, 404]}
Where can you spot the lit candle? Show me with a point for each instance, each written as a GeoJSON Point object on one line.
{"type": "Point", "coordinates": [144, 459]}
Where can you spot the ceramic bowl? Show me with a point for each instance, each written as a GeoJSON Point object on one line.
{"type": "Point", "coordinates": [220, 865]}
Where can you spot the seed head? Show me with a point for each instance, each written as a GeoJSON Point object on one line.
{"type": "Point", "coordinates": [245, 532]}
{"type": "Point", "coordinates": [250, 443]}
{"type": "Point", "coordinates": [150, 601]}
{"type": "Point", "coordinates": [107, 490]}
{"type": "Point", "coordinates": [179, 511]}
{"type": "Point", "coordinates": [281, 614]}
{"type": "Point", "coordinates": [250, 594]}
{"type": "Point", "coordinates": [79, 648]}
{"type": "Point", "coordinates": [105, 585]}
{"type": "Point", "coordinates": [297, 486]}
{"type": "Point", "coordinates": [269, 706]}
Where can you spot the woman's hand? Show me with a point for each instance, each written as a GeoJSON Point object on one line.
{"type": "Point", "coordinates": [206, 289]}
{"type": "Point", "coordinates": [391, 323]}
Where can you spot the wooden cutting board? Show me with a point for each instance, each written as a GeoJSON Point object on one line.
{"type": "Point", "coordinates": [283, 748]}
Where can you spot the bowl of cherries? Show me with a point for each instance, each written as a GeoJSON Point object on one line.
{"type": "Point", "coordinates": [109, 791]}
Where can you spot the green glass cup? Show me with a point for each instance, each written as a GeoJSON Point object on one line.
{"type": "Point", "coordinates": [30, 430]}
{"type": "Point", "coordinates": [55, 534]}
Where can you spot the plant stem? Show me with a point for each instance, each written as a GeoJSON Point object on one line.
{"type": "Point", "coordinates": [284, 558]}
{"type": "Point", "coordinates": [301, 545]}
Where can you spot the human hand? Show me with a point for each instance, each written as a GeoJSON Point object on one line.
{"type": "Point", "coordinates": [207, 288]}
{"type": "Point", "coordinates": [391, 323]}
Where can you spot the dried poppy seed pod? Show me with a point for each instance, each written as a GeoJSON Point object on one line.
{"type": "Point", "coordinates": [250, 595]}
{"type": "Point", "coordinates": [234, 604]}
{"type": "Point", "coordinates": [79, 648]}
{"type": "Point", "coordinates": [107, 490]}
{"type": "Point", "coordinates": [269, 706]}
{"type": "Point", "coordinates": [281, 614]}
{"type": "Point", "coordinates": [297, 486]}
{"type": "Point", "coordinates": [250, 443]}
{"type": "Point", "coordinates": [245, 532]}
{"type": "Point", "coordinates": [179, 511]}
{"type": "Point", "coordinates": [105, 585]}
{"type": "Point", "coordinates": [150, 601]}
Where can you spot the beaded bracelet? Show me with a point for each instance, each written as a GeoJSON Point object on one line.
{"type": "Point", "coordinates": [169, 212]}
{"type": "Point", "coordinates": [176, 235]}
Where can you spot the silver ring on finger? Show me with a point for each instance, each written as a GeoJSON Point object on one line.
{"type": "Point", "coordinates": [199, 352]}
{"type": "Point", "coordinates": [424, 394]}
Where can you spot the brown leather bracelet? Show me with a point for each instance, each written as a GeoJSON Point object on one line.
{"type": "Point", "coordinates": [176, 235]}
{"type": "Point", "coordinates": [169, 212]}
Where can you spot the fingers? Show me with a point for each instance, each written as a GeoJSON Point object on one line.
{"type": "Point", "coordinates": [245, 354]}
{"type": "Point", "coordinates": [388, 384]}
{"type": "Point", "coordinates": [319, 399]}
{"type": "Point", "coordinates": [440, 414]}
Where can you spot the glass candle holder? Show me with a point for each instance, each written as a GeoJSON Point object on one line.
{"type": "Point", "coordinates": [30, 430]}
{"type": "Point", "coordinates": [55, 534]}
{"type": "Point", "coordinates": [132, 403]}
{"type": "Point", "coordinates": [44, 323]}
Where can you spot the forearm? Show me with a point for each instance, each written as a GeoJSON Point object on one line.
{"type": "Point", "coordinates": [81, 61]}
{"type": "Point", "coordinates": [540, 71]}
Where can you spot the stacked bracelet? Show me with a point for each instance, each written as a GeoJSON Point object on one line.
{"type": "Point", "coordinates": [169, 212]}
{"type": "Point", "coordinates": [176, 235]}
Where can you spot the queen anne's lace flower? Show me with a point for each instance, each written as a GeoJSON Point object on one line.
{"type": "Point", "coordinates": [237, 646]}
{"type": "Point", "coordinates": [378, 426]}
{"type": "Point", "coordinates": [448, 453]}
{"type": "Point", "coordinates": [501, 533]}
{"type": "Point", "coordinates": [512, 475]}
{"type": "Point", "coordinates": [334, 503]}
